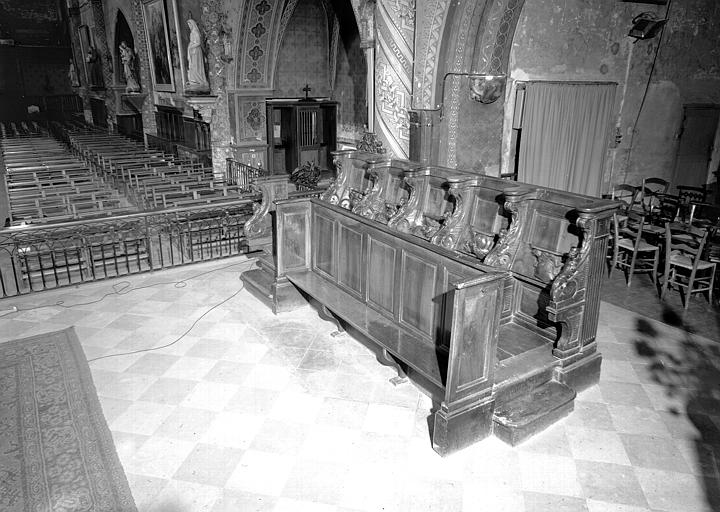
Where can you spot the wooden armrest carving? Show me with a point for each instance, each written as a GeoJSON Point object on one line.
{"type": "Point", "coordinates": [567, 292]}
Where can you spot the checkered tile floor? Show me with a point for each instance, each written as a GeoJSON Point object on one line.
{"type": "Point", "coordinates": [255, 412]}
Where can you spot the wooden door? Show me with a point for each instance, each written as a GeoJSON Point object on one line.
{"type": "Point", "coordinates": [700, 123]}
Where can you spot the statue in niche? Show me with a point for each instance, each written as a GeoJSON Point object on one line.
{"type": "Point", "coordinates": [73, 75]}
{"type": "Point", "coordinates": [196, 79]}
{"type": "Point", "coordinates": [95, 65]}
{"type": "Point", "coordinates": [127, 56]}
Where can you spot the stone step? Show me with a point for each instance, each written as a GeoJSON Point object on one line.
{"type": "Point", "coordinates": [526, 415]}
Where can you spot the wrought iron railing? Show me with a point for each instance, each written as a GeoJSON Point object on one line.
{"type": "Point", "coordinates": [238, 173]}
{"type": "Point", "coordinates": [35, 258]}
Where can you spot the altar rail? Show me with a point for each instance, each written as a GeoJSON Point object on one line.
{"type": "Point", "coordinates": [238, 173]}
{"type": "Point", "coordinates": [36, 258]}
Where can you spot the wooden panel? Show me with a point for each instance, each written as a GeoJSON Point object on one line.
{"type": "Point", "coordinates": [545, 231]}
{"type": "Point", "coordinates": [484, 216]}
{"type": "Point", "coordinates": [350, 258]}
{"type": "Point", "coordinates": [438, 202]}
{"type": "Point", "coordinates": [381, 275]}
{"type": "Point", "coordinates": [396, 191]}
{"type": "Point", "coordinates": [324, 231]}
{"type": "Point", "coordinates": [532, 306]}
{"type": "Point", "coordinates": [417, 306]}
{"type": "Point", "coordinates": [294, 240]}
{"type": "Point", "coordinates": [480, 321]}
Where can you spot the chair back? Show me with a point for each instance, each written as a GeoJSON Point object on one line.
{"type": "Point", "coordinates": [632, 228]}
{"type": "Point", "coordinates": [650, 192]}
{"type": "Point", "coordinates": [684, 240]}
{"type": "Point", "coordinates": [688, 194]}
{"type": "Point", "coordinates": [627, 194]}
{"type": "Point", "coordinates": [670, 208]}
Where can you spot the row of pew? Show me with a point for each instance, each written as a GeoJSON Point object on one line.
{"type": "Point", "coordinates": [46, 183]}
{"type": "Point", "coordinates": [156, 181]}
{"type": "Point", "coordinates": [153, 179]}
{"type": "Point", "coordinates": [11, 129]}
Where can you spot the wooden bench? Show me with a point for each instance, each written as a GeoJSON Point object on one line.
{"type": "Point", "coordinates": [495, 313]}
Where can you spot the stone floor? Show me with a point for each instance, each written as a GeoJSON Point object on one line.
{"type": "Point", "coordinates": [245, 411]}
{"type": "Point", "coordinates": [701, 317]}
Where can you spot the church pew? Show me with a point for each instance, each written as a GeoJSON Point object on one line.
{"type": "Point", "coordinates": [550, 244]}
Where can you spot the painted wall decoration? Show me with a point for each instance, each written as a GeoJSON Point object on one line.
{"type": "Point", "coordinates": [159, 45]}
{"type": "Point", "coordinates": [395, 29]}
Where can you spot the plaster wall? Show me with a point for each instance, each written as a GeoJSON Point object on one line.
{"type": "Point", "coordinates": [582, 40]}
{"type": "Point", "coordinates": [303, 55]}
{"type": "Point", "coordinates": [350, 80]}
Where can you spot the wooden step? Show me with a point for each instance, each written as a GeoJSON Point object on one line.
{"type": "Point", "coordinates": [527, 414]}
{"type": "Point", "coordinates": [521, 374]}
{"type": "Point", "coordinates": [260, 284]}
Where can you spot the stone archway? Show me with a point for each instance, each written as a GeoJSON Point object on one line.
{"type": "Point", "coordinates": [454, 42]}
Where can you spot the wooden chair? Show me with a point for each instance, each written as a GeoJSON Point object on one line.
{"type": "Point", "coordinates": [688, 194]}
{"type": "Point", "coordinates": [627, 194]}
{"type": "Point", "coordinates": [650, 192]}
{"type": "Point", "coordinates": [631, 253]}
{"type": "Point", "coordinates": [684, 266]}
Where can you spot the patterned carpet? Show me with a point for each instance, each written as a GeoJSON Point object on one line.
{"type": "Point", "coordinates": [56, 451]}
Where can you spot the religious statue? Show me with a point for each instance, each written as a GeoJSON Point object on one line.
{"type": "Point", "coordinates": [72, 75]}
{"type": "Point", "coordinates": [127, 56]}
{"type": "Point", "coordinates": [95, 65]}
{"type": "Point", "coordinates": [196, 79]}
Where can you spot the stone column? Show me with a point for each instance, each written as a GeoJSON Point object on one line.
{"type": "Point", "coordinates": [395, 31]}
{"type": "Point", "coordinates": [79, 58]}
{"type": "Point", "coordinates": [214, 23]}
{"type": "Point", "coordinates": [106, 56]}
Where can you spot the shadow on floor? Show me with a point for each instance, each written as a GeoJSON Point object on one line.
{"type": "Point", "coordinates": [700, 318]}
{"type": "Point", "coordinates": [689, 370]}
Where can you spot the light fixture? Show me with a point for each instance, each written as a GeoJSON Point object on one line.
{"type": "Point", "coordinates": [646, 26]}
{"type": "Point", "coordinates": [487, 88]}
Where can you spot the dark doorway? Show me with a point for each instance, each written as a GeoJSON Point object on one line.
{"type": "Point", "coordinates": [700, 123]}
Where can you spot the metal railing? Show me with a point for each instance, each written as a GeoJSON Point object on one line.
{"type": "Point", "coordinates": [35, 258]}
{"type": "Point", "coordinates": [238, 173]}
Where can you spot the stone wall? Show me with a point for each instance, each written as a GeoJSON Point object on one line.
{"type": "Point", "coordinates": [588, 41]}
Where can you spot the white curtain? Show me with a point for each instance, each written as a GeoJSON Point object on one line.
{"type": "Point", "coordinates": [565, 130]}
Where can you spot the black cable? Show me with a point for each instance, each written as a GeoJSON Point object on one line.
{"type": "Point", "coordinates": [139, 351]}
{"type": "Point", "coordinates": [645, 92]}
{"type": "Point", "coordinates": [119, 289]}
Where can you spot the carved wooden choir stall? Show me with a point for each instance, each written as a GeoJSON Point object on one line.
{"type": "Point", "coordinates": [486, 292]}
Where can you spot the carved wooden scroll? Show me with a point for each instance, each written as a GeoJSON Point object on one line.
{"type": "Point", "coordinates": [409, 216]}
{"type": "Point", "coordinates": [567, 292]}
{"type": "Point", "coordinates": [372, 205]}
{"type": "Point", "coordinates": [339, 190]}
{"type": "Point", "coordinates": [455, 231]}
{"type": "Point", "coordinates": [503, 253]}
{"type": "Point", "coordinates": [272, 188]}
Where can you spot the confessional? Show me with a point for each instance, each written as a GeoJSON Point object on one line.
{"type": "Point", "coordinates": [300, 131]}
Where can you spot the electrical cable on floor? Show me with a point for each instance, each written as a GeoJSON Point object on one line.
{"type": "Point", "coordinates": [139, 351]}
{"type": "Point", "coordinates": [120, 289]}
